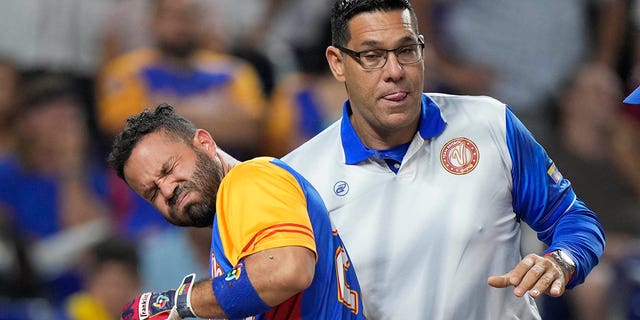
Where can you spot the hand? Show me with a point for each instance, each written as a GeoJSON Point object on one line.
{"type": "Point", "coordinates": [152, 306]}
{"type": "Point", "coordinates": [535, 274]}
{"type": "Point", "coordinates": [162, 305]}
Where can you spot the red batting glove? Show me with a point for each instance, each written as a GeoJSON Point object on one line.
{"type": "Point", "coordinates": [151, 306]}
{"type": "Point", "coordinates": [168, 305]}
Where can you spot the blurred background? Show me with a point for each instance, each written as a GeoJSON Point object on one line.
{"type": "Point", "coordinates": [76, 243]}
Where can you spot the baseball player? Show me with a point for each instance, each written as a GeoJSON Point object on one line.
{"type": "Point", "coordinates": [274, 253]}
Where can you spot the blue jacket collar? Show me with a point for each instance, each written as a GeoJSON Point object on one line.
{"type": "Point", "coordinates": [431, 124]}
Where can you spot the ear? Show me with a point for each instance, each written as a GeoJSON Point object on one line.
{"type": "Point", "coordinates": [336, 62]}
{"type": "Point", "coordinates": [204, 141]}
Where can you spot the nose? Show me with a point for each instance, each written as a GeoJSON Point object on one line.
{"type": "Point", "coordinates": [167, 190]}
{"type": "Point", "coordinates": [393, 70]}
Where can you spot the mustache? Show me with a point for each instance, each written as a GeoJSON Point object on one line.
{"type": "Point", "coordinates": [178, 191]}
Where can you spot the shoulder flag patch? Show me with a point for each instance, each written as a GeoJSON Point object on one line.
{"type": "Point", "coordinates": [554, 173]}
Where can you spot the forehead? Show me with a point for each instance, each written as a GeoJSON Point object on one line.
{"type": "Point", "coordinates": [149, 155]}
{"type": "Point", "coordinates": [379, 27]}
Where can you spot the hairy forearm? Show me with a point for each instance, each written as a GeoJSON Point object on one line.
{"type": "Point", "coordinates": [204, 302]}
{"type": "Point", "coordinates": [275, 274]}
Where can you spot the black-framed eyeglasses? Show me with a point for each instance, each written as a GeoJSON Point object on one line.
{"type": "Point", "coordinates": [377, 58]}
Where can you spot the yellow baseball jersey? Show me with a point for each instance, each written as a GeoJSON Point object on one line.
{"type": "Point", "coordinates": [260, 206]}
{"type": "Point", "coordinates": [264, 204]}
{"type": "Point", "coordinates": [141, 79]}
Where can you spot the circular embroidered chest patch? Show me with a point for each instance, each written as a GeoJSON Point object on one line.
{"type": "Point", "coordinates": [459, 156]}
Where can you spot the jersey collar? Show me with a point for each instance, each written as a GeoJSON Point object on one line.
{"type": "Point", "coordinates": [432, 123]}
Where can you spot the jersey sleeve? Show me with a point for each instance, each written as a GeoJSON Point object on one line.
{"type": "Point", "coordinates": [544, 199]}
{"type": "Point", "coordinates": [261, 206]}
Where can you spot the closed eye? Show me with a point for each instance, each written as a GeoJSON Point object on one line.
{"type": "Point", "coordinates": [154, 195]}
{"type": "Point", "coordinates": [151, 193]}
{"type": "Point", "coordinates": [167, 168]}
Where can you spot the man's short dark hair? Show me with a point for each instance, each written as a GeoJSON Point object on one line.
{"type": "Point", "coordinates": [163, 119]}
{"type": "Point", "coordinates": [344, 10]}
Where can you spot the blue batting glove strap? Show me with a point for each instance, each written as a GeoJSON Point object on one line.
{"type": "Point", "coordinates": [236, 295]}
{"type": "Point", "coordinates": [183, 297]}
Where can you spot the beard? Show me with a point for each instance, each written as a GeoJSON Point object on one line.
{"type": "Point", "coordinates": [206, 181]}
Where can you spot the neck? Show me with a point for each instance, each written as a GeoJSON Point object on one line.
{"type": "Point", "coordinates": [384, 139]}
{"type": "Point", "coordinates": [227, 161]}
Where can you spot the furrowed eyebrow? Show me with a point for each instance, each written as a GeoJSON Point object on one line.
{"type": "Point", "coordinates": [166, 167]}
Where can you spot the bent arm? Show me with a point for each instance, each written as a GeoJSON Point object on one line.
{"type": "Point", "coordinates": [275, 274]}
{"type": "Point", "coordinates": [546, 201]}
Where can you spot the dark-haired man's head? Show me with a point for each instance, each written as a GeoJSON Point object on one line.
{"type": "Point", "coordinates": [344, 10]}
{"type": "Point", "coordinates": [166, 160]}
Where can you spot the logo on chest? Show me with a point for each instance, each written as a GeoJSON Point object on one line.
{"type": "Point", "coordinates": [459, 156]}
{"type": "Point", "coordinates": [341, 188]}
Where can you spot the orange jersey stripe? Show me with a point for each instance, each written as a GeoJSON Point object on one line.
{"type": "Point", "coordinates": [306, 230]}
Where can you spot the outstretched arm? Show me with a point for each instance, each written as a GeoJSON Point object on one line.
{"type": "Point", "coordinates": [275, 274]}
{"type": "Point", "coordinates": [545, 201]}
{"type": "Point", "coordinates": [258, 282]}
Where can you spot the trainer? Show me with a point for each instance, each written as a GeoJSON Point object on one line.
{"type": "Point", "coordinates": [429, 190]}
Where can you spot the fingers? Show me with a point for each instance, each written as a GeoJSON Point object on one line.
{"type": "Point", "coordinates": [557, 288]}
{"type": "Point", "coordinates": [543, 283]}
{"type": "Point", "coordinates": [534, 274]}
{"type": "Point", "coordinates": [513, 277]}
{"type": "Point", "coordinates": [531, 277]}
{"type": "Point", "coordinates": [501, 281]}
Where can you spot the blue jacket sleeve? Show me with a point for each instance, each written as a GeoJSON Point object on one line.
{"type": "Point", "coordinates": [546, 201]}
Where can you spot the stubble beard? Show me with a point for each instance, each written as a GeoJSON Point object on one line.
{"type": "Point", "coordinates": [206, 181]}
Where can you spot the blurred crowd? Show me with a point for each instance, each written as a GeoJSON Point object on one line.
{"type": "Point", "coordinates": [76, 243]}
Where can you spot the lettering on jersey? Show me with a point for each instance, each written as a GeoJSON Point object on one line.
{"type": "Point", "coordinates": [341, 188]}
{"type": "Point", "coordinates": [216, 270]}
{"type": "Point", "coordinates": [554, 173]}
{"type": "Point", "coordinates": [459, 156]}
{"type": "Point", "coordinates": [346, 296]}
